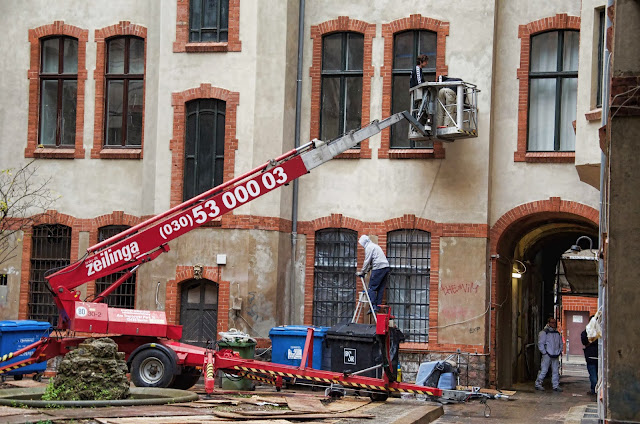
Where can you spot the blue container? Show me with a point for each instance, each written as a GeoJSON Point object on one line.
{"type": "Point", "coordinates": [287, 344]}
{"type": "Point", "coordinates": [15, 335]}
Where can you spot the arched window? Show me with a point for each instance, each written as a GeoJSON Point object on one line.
{"type": "Point", "coordinates": [409, 255]}
{"type": "Point", "coordinates": [204, 146]}
{"type": "Point", "coordinates": [553, 88]}
{"type": "Point", "coordinates": [342, 59]}
{"type": "Point", "coordinates": [124, 76]}
{"type": "Point", "coordinates": [334, 281]}
{"type": "Point", "coordinates": [407, 46]}
{"type": "Point", "coordinates": [58, 91]}
{"type": "Point", "coordinates": [50, 249]}
{"type": "Point", "coordinates": [125, 295]}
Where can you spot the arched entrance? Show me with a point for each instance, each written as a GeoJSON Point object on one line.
{"type": "Point", "coordinates": [533, 237]}
{"type": "Point", "coordinates": [199, 311]}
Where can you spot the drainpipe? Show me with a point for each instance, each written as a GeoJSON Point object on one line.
{"type": "Point", "coordinates": [604, 215]}
{"type": "Point", "coordinates": [294, 203]}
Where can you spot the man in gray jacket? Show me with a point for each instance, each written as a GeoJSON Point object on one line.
{"type": "Point", "coordinates": [550, 345]}
{"type": "Point", "coordinates": [376, 261]}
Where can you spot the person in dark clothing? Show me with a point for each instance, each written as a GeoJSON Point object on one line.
{"type": "Point", "coordinates": [416, 73]}
{"type": "Point", "coordinates": [591, 356]}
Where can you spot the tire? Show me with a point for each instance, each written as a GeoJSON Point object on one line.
{"type": "Point", "coordinates": [18, 377]}
{"type": "Point", "coordinates": [152, 368]}
{"type": "Point", "coordinates": [187, 379]}
{"type": "Point", "coordinates": [379, 396]}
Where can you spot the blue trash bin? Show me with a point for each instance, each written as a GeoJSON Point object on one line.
{"type": "Point", "coordinates": [15, 335]}
{"type": "Point", "coordinates": [287, 344]}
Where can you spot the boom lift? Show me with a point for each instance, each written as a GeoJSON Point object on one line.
{"type": "Point", "coordinates": [155, 357]}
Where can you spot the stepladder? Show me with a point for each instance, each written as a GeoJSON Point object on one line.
{"type": "Point", "coordinates": [364, 301]}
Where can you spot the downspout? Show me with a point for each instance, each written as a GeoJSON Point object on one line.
{"type": "Point", "coordinates": [604, 215]}
{"type": "Point", "coordinates": [294, 202]}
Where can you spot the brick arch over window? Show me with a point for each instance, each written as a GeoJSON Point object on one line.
{"type": "Point", "coordinates": [553, 207]}
{"type": "Point", "coordinates": [50, 217]}
{"type": "Point", "coordinates": [414, 22]}
{"type": "Point", "coordinates": [342, 24]}
{"type": "Point", "coordinates": [525, 32]}
{"type": "Point", "coordinates": [185, 273]}
{"type": "Point", "coordinates": [123, 28]}
{"type": "Point", "coordinates": [177, 143]}
{"type": "Point", "coordinates": [35, 35]}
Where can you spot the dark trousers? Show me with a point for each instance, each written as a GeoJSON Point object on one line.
{"type": "Point", "coordinates": [377, 283]}
{"type": "Point", "coordinates": [593, 375]}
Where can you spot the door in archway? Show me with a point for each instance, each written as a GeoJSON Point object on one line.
{"type": "Point", "coordinates": [575, 323]}
{"type": "Point", "coordinates": [199, 312]}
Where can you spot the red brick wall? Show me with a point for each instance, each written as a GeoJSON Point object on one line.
{"type": "Point", "coordinates": [176, 145]}
{"type": "Point", "coordinates": [182, 43]}
{"type": "Point", "coordinates": [342, 24]}
{"type": "Point", "coordinates": [525, 32]}
{"type": "Point", "coordinates": [35, 35]}
{"type": "Point", "coordinates": [380, 229]}
{"type": "Point", "coordinates": [509, 222]}
{"type": "Point", "coordinates": [417, 22]}
{"type": "Point", "coordinates": [123, 28]}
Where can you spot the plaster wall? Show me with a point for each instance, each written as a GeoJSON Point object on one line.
{"type": "Point", "coordinates": [515, 183]}
{"type": "Point", "coordinates": [462, 291]}
{"type": "Point", "coordinates": [366, 189]}
{"type": "Point", "coordinates": [12, 268]}
{"type": "Point", "coordinates": [257, 269]}
{"type": "Point", "coordinates": [587, 140]}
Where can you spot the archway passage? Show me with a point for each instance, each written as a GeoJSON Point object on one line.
{"type": "Point", "coordinates": [532, 244]}
{"type": "Point", "coordinates": [199, 312]}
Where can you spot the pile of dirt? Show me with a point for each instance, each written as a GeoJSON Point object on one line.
{"type": "Point", "coordinates": [93, 371]}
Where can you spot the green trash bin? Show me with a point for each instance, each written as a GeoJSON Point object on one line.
{"type": "Point", "coordinates": [247, 350]}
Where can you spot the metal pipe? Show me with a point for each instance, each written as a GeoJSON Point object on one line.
{"type": "Point", "coordinates": [294, 200]}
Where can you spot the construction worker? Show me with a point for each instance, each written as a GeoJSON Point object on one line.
{"type": "Point", "coordinates": [550, 345]}
{"type": "Point", "coordinates": [591, 356]}
{"type": "Point", "coordinates": [416, 73]}
{"type": "Point", "coordinates": [376, 261]}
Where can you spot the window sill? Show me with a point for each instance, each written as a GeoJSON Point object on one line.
{"type": "Point", "coordinates": [594, 115]}
{"type": "Point", "coordinates": [412, 154]}
{"type": "Point", "coordinates": [55, 153]}
{"type": "Point", "coordinates": [120, 153]}
{"type": "Point", "coordinates": [550, 157]}
{"type": "Point", "coordinates": [206, 47]}
{"type": "Point", "coordinates": [353, 154]}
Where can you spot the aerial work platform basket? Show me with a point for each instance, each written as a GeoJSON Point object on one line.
{"type": "Point", "coordinates": [448, 110]}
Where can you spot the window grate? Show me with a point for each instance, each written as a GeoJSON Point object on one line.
{"type": "Point", "coordinates": [50, 249]}
{"type": "Point", "coordinates": [409, 255]}
{"type": "Point", "coordinates": [125, 295]}
{"type": "Point", "coordinates": [334, 281]}
{"type": "Point", "coordinates": [208, 21]}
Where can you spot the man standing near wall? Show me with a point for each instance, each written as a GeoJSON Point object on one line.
{"type": "Point", "coordinates": [591, 356]}
{"type": "Point", "coordinates": [550, 345]}
{"type": "Point", "coordinates": [376, 261]}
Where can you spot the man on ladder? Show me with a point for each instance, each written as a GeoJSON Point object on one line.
{"type": "Point", "coordinates": [376, 261]}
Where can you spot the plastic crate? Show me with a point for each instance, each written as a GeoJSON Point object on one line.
{"type": "Point", "coordinates": [15, 335]}
{"type": "Point", "coordinates": [287, 344]}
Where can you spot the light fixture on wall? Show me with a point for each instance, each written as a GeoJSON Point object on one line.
{"type": "Point", "coordinates": [576, 247]}
{"type": "Point", "coordinates": [517, 272]}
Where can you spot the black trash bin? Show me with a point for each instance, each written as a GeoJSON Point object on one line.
{"type": "Point", "coordinates": [351, 347]}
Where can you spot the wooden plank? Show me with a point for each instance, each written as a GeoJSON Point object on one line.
{"type": "Point", "coordinates": [128, 411]}
{"type": "Point", "coordinates": [346, 404]}
{"type": "Point", "coordinates": [25, 383]}
{"type": "Point", "coordinates": [299, 416]}
{"type": "Point", "coordinates": [306, 405]}
{"type": "Point", "coordinates": [488, 391]}
{"type": "Point", "coordinates": [22, 419]}
{"type": "Point", "coordinates": [182, 420]}
{"type": "Point", "coordinates": [5, 411]}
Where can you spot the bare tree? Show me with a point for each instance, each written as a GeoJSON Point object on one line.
{"type": "Point", "coordinates": [24, 197]}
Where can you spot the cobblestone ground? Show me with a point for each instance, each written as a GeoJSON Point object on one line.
{"type": "Point", "coordinates": [529, 405]}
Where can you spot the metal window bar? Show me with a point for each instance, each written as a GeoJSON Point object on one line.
{"type": "Point", "coordinates": [198, 31]}
{"type": "Point", "coordinates": [409, 255]}
{"type": "Point", "coordinates": [125, 295]}
{"type": "Point", "coordinates": [334, 280]}
{"type": "Point", "coordinates": [50, 248]}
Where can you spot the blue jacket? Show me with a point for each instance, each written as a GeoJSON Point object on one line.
{"type": "Point", "coordinates": [550, 342]}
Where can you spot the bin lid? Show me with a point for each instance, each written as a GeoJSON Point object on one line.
{"type": "Point", "coordinates": [23, 325]}
{"type": "Point", "coordinates": [352, 329]}
{"type": "Point", "coordinates": [297, 330]}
